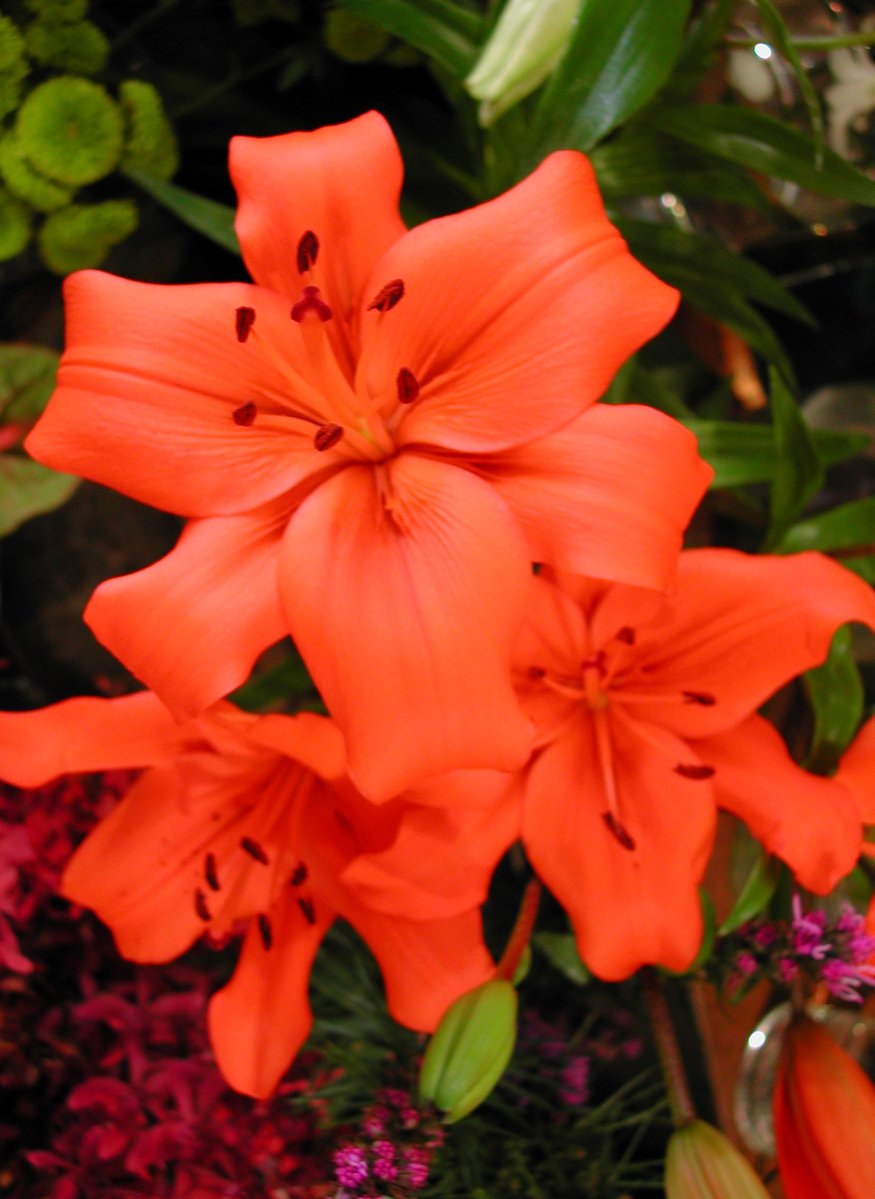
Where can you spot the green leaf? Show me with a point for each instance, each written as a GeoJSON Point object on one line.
{"type": "Point", "coordinates": [449, 33]}
{"type": "Point", "coordinates": [799, 472]}
{"type": "Point", "coordinates": [639, 162]}
{"type": "Point", "coordinates": [27, 379]}
{"type": "Point", "coordinates": [755, 895]}
{"type": "Point", "coordinates": [289, 680]}
{"type": "Point", "coordinates": [621, 54]}
{"type": "Point", "coordinates": [560, 950]}
{"type": "Point", "coordinates": [761, 143]}
{"type": "Point", "coordinates": [710, 263]}
{"type": "Point", "coordinates": [848, 525]}
{"type": "Point", "coordinates": [835, 690]}
{"type": "Point", "coordinates": [27, 489]}
{"type": "Point", "coordinates": [741, 454]}
{"type": "Point", "coordinates": [213, 220]}
{"type": "Point", "coordinates": [700, 46]}
{"type": "Point", "coordinates": [778, 34]}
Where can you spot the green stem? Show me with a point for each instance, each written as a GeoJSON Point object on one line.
{"type": "Point", "coordinates": [522, 932]}
{"type": "Point", "coordinates": [839, 42]}
{"type": "Point", "coordinates": [679, 1099]}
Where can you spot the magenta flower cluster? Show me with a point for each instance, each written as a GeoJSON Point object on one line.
{"type": "Point", "coordinates": [835, 951]}
{"type": "Point", "coordinates": [391, 1151]}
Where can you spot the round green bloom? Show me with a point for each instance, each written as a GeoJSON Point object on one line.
{"type": "Point", "coordinates": [150, 143]}
{"type": "Point", "coordinates": [71, 130]}
{"type": "Point", "coordinates": [25, 182]}
{"type": "Point", "coordinates": [80, 48]}
{"type": "Point", "coordinates": [14, 226]}
{"type": "Point", "coordinates": [81, 235]}
{"type": "Point", "coordinates": [351, 38]}
{"type": "Point", "coordinates": [58, 10]}
{"type": "Point", "coordinates": [11, 47]}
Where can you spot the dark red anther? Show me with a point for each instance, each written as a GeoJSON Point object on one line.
{"type": "Point", "coordinates": [619, 830]}
{"type": "Point", "coordinates": [387, 297]}
{"type": "Point", "coordinates": [210, 872]}
{"type": "Point", "coordinates": [310, 301]}
{"type": "Point", "coordinates": [308, 249]}
{"type": "Point", "coordinates": [327, 436]}
{"type": "Point", "coordinates": [536, 673]}
{"type": "Point", "coordinates": [408, 386]}
{"type": "Point", "coordinates": [200, 905]}
{"type": "Point", "coordinates": [245, 414]}
{"type": "Point", "coordinates": [693, 772]}
{"type": "Point", "coordinates": [245, 319]}
{"type": "Point", "coordinates": [254, 850]}
{"type": "Point", "coordinates": [306, 906]}
{"type": "Point", "coordinates": [626, 635]}
{"type": "Point", "coordinates": [299, 875]}
{"type": "Point", "coordinates": [704, 698]}
{"type": "Point", "coordinates": [265, 930]}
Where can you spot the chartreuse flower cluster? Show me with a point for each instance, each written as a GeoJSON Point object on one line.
{"type": "Point", "coordinates": [62, 131]}
{"type": "Point", "coordinates": [373, 443]}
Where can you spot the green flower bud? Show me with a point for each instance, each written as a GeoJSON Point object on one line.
{"type": "Point", "coordinates": [81, 235]}
{"type": "Point", "coordinates": [351, 38]}
{"type": "Point", "coordinates": [14, 226]}
{"type": "Point", "coordinates": [701, 1163]}
{"type": "Point", "coordinates": [528, 40]}
{"type": "Point", "coordinates": [470, 1049]}
{"type": "Point", "coordinates": [11, 48]}
{"type": "Point", "coordinates": [150, 143]}
{"type": "Point", "coordinates": [80, 48]}
{"type": "Point", "coordinates": [58, 10]}
{"type": "Point", "coordinates": [71, 130]}
{"type": "Point", "coordinates": [25, 182]}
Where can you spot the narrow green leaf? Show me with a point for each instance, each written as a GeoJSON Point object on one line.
{"type": "Point", "coordinates": [799, 472]}
{"type": "Point", "coordinates": [213, 220]}
{"type": "Point", "coordinates": [835, 690]}
{"type": "Point", "coordinates": [848, 525]}
{"type": "Point", "coordinates": [560, 950]}
{"type": "Point", "coordinates": [761, 143]}
{"type": "Point", "coordinates": [621, 54]}
{"type": "Point", "coordinates": [778, 34]}
{"type": "Point", "coordinates": [638, 162]}
{"type": "Point", "coordinates": [741, 454]}
{"type": "Point", "coordinates": [700, 45]}
{"type": "Point", "coordinates": [27, 379]}
{"type": "Point", "coordinates": [27, 489]}
{"type": "Point", "coordinates": [755, 895]}
{"type": "Point", "coordinates": [449, 33]}
{"type": "Point", "coordinates": [715, 266]}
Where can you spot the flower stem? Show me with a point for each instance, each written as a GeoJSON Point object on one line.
{"type": "Point", "coordinates": [522, 931]}
{"type": "Point", "coordinates": [679, 1098]}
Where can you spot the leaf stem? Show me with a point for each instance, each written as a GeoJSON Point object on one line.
{"type": "Point", "coordinates": [679, 1098]}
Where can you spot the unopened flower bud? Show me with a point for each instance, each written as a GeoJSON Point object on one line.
{"type": "Point", "coordinates": [526, 44]}
{"type": "Point", "coordinates": [470, 1049]}
{"type": "Point", "coordinates": [702, 1163]}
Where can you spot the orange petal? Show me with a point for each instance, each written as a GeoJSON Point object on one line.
{"type": "Point", "coordinates": [824, 1118]}
{"type": "Point", "coordinates": [515, 315]}
{"type": "Point", "coordinates": [405, 619]}
{"type": "Point", "coordinates": [140, 867]}
{"type": "Point", "coordinates": [426, 964]}
{"type": "Point", "coordinates": [741, 627]}
{"type": "Point", "coordinates": [441, 860]}
{"type": "Point", "coordinates": [313, 740]}
{"type": "Point", "coordinates": [609, 495]}
{"type": "Point", "coordinates": [857, 771]}
{"type": "Point", "coordinates": [192, 625]}
{"type": "Point", "coordinates": [627, 909]}
{"type": "Point", "coordinates": [810, 822]}
{"type": "Point", "coordinates": [147, 391]}
{"type": "Point", "coordinates": [85, 734]}
{"type": "Point", "coordinates": [260, 1020]}
{"type": "Point", "coordinates": [340, 182]}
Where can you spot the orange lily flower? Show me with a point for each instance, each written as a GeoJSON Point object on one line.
{"type": "Point", "coordinates": [241, 818]}
{"type": "Point", "coordinates": [645, 709]}
{"type": "Point", "coordinates": [824, 1112]}
{"type": "Point", "coordinates": [374, 441]}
